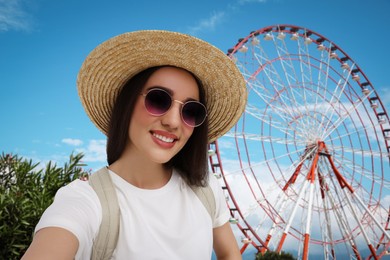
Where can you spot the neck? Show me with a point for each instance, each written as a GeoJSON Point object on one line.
{"type": "Point", "coordinates": [140, 172]}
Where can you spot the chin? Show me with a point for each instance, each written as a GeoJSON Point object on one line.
{"type": "Point", "coordinates": [161, 159]}
{"type": "Point", "coordinates": [162, 155]}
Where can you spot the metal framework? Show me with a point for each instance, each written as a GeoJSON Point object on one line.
{"type": "Point", "coordinates": [307, 165]}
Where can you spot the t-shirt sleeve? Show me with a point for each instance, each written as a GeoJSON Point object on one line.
{"type": "Point", "coordinates": [77, 209]}
{"type": "Point", "coordinates": [222, 212]}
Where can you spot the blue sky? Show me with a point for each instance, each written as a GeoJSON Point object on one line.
{"type": "Point", "coordinates": [43, 44]}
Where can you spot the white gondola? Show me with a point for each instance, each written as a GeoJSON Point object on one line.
{"type": "Point", "coordinates": [217, 175]}
{"type": "Point", "coordinates": [243, 49]}
{"type": "Point", "coordinates": [294, 36]}
{"type": "Point", "coordinates": [307, 40]}
{"type": "Point", "coordinates": [345, 66]}
{"type": "Point", "coordinates": [233, 220]}
{"type": "Point", "coordinates": [374, 104]}
{"type": "Point", "coordinates": [356, 77]}
{"type": "Point", "coordinates": [281, 36]}
{"type": "Point", "coordinates": [246, 240]}
{"type": "Point", "coordinates": [365, 91]}
{"type": "Point", "coordinates": [268, 37]}
{"type": "Point", "coordinates": [255, 41]}
{"type": "Point", "coordinates": [321, 47]}
{"type": "Point", "coordinates": [333, 55]}
{"type": "Point", "coordinates": [211, 152]}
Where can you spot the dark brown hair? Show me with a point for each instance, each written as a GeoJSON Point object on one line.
{"type": "Point", "coordinates": [190, 161]}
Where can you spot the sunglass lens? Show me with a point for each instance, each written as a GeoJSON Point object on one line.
{"type": "Point", "coordinates": [157, 102]}
{"type": "Point", "coordinates": [193, 113]}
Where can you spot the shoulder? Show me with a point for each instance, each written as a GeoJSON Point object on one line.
{"type": "Point", "coordinates": [78, 197]}
{"type": "Point", "coordinates": [77, 209]}
{"type": "Point", "coordinates": [77, 190]}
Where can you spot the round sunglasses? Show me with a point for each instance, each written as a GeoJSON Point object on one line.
{"type": "Point", "coordinates": [158, 102]}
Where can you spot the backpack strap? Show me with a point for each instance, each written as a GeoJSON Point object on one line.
{"type": "Point", "coordinates": [206, 196]}
{"type": "Point", "coordinates": [107, 238]}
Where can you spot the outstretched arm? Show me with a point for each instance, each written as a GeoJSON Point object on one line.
{"type": "Point", "coordinates": [225, 244]}
{"type": "Point", "coordinates": [52, 243]}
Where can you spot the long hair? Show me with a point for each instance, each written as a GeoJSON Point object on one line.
{"type": "Point", "coordinates": [190, 161]}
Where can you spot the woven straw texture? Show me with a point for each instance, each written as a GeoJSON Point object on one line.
{"type": "Point", "coordinates": [111, 64]}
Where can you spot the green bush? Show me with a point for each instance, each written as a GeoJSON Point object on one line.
{"type": "Point", "coordinates": [25, 192]}
{"type": "Point", "coordinates": [271, 255]}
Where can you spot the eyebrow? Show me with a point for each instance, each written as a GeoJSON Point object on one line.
{"type": "Point", "coordinates": [170, 92]}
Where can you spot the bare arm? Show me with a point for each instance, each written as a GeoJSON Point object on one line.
{"type": "Point", "coordinates": [225, 244]}
{"type": "Point", "coordinates": [52, 243]}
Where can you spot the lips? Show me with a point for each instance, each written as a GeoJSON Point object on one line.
{"type": "Point", "coordinates": [163, 138]}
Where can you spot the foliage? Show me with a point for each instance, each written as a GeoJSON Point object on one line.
{"type": "Point", "coordinates": [25, 192]}
{"type": "Point", "coordinates": [272, 255]}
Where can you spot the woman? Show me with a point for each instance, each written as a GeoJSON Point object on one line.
{"type": "Point", "coordinates": [159, 97]}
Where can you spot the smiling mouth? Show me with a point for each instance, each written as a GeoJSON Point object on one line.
{"type": "Point", "coordinates": [164, 138]}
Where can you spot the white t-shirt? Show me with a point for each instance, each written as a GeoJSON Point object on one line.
{"type": "Point", "coordinates": [166, 223]}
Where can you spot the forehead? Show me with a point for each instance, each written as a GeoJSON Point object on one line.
{"type": "Point", "coordinates": [175, 80]}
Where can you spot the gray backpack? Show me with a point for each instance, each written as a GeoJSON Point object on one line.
{"type": "Point", "coordinates": [106, 240]}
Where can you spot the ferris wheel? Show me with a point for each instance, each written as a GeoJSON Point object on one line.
{"type": "Point", "coordinates": [306, 168]}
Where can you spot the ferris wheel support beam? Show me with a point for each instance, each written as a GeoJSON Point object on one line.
{"type": "Point", "coordinates": [243, 248]}
{"type": "Point", "coordinates": [293, 177]}
{"type": "Point", "coordinates": [372, 250]}
{"type": "Point", "coordinates": [371, 215]}
{"type": "Point", "coordinates": [310, 181]}
{"type": "Point", "coordinates": [308, 223]}
{"type": "Point", "coordinates": [382, 237]}
{"type": "Point", "coordinates": [287, 228]}
{"type": "Point", "coordinates": [311, 178]}
{"type": "Point", "coordinates": [325, 189]}
{"type": "Point", "coordinates": [344, 183]}
{"type": "Point", "coordinates": [344, 227]}
{"type": "Point", "coordinates": [283, 200]}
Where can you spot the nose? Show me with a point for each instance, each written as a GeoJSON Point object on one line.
{"type": "Point", "coordinates": [172, 117]}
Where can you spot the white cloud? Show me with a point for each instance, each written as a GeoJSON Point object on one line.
{"type": "Point", "coordinates": [242, 2]}
{"type": "Point", "coordinates": [94, 152]}
{"type": "Point", "coordinates": [12, 16]}
{"type": "Point", "coordinates": [71, 141]}
{"type": "Point", "coordinates": [226, 142]}
{"type": "Point", "coordinates": [208, 24]}
{"type": "Point", "coordinates": [385, 201]}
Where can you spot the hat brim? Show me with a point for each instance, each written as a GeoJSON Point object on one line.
{"type": "Point", "coordinates": [111, 64]}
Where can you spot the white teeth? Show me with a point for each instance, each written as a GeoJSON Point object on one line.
{"type": "Point", "coordinates": [163, 138]}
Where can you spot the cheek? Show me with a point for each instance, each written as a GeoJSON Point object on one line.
{"type": "Point", "coordinates": [139, 118]}
{"type": "Point", "coordinates": [140, 111]}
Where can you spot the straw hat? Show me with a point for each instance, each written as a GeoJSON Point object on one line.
{"type": "Point", "coordinates": [111, 64]}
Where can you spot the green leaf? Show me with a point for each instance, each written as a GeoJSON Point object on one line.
{"type": "Point", "coordinates": [26, 190]}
